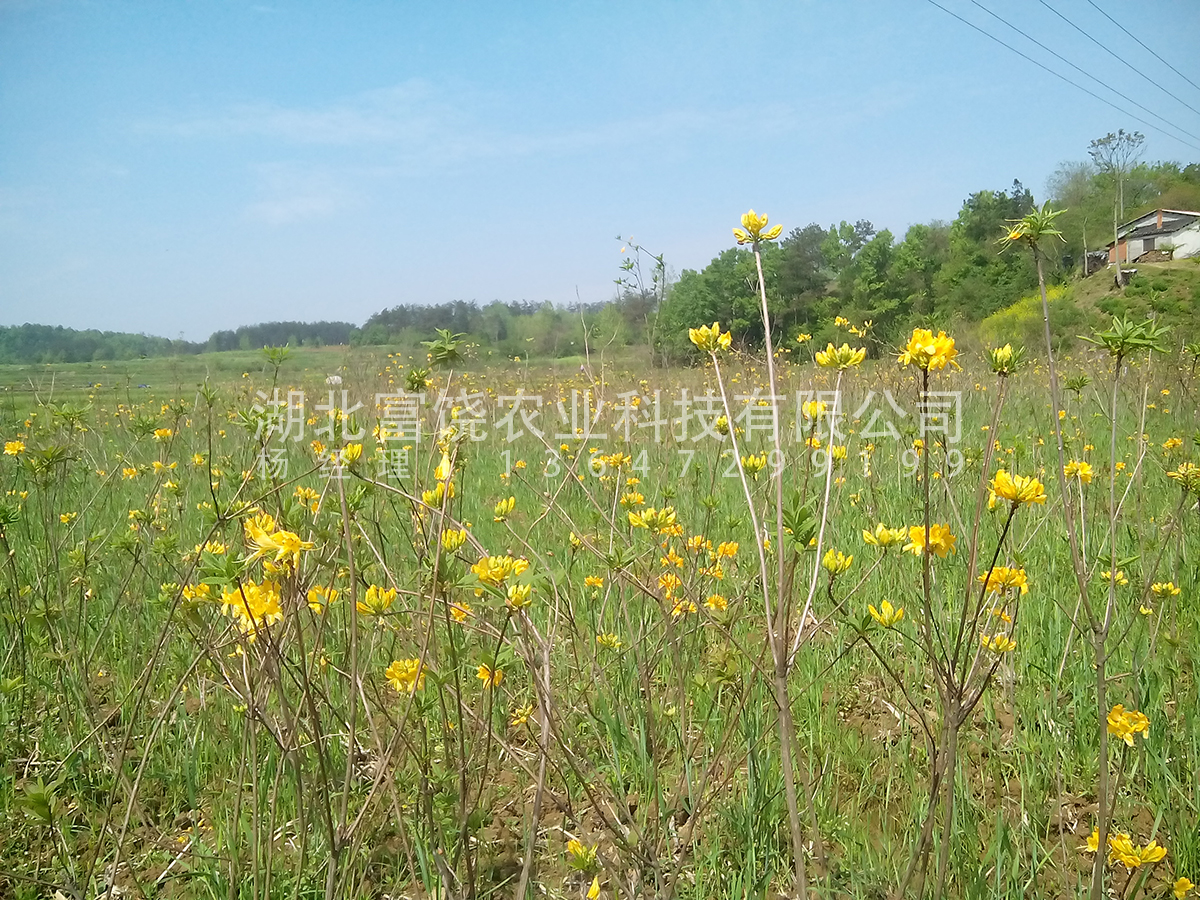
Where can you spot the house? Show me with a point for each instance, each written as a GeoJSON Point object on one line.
{"type": "Point", "coordinates": [1156, 232]}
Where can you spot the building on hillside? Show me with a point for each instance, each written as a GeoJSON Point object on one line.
{"type": "Point", "coordinates": [1165, 233]}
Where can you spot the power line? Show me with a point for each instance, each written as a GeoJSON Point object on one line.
{"type": "Point", "coordinates": [1144, 47]}
{"type": "Point", "coordinates": [1119, 58]}
{"type": "Point", "coordinates": [1062, 77]}
{"type": "Point", "coordinates": [1061, 58]}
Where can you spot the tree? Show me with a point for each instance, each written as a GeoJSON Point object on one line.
{"type": "Point", "coordinates": [1115, 154]}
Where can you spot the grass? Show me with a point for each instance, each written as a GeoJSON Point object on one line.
{"type": "Point", "coordinates": [152, 747]}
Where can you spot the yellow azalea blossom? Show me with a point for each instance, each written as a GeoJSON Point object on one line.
{"type": "Point", "coordinates": [682, 608]}
{"type": "Point", "coordinates": [632, 498]}
{"type": "Point", "coordinates": [835, 562]}
{"type": "Point", "coordinates": [460, 612]}
{"type": "Point", "coordinates": [1078, 469]}
{"type": "Point", "coordinates": [884, 537]}
{"type": "Point", "coordinates": [377, 600]}
{"type": "Point", "coordinates": [519, 595]}
{"type": "Point", "coordinates": [887, 615]}
{"type": "Point", "coordinates": [1018, 488]}
{"type": "Point", "coordinates": [753, 464]}
{"type": "Point", "coordinates": [716, 603]}
{"type": "Point", "coordinates": [1181, 887]}
{"type": "Point", "coordinates": [814, 409]}
{"type": "Point", "coordinates": [67, 518]}
{"type": "Point", "coordinates": [1164, 589]}
{"type": "Point", "coordinates": [1122, 849]}
{"type": "Point", "coordinates": [1125, 724]}
{"type": "Point", "coordinates": [453, 539]}
{"type": "Point", "coordinates": [669, 583]}
{"type": "Point", "coordinates": [520, 716]}
{"type": "Point", "coordinates": [594, 891]}
{"type": "Point", "coordinates": [660, 521]}
{"type": "Point", "coordinates": [504, 509]}
{"type": "Point", "coordinates": [495, 570]}
{"type": "Point", "coordinates": [406, 675]}
{"type": "Point", "coordinates": [129, 472]}
{"type": "Point", "coordinates": [1121, 578]}
{"type": "Point", "coordinates": [709, 338]}
{"type": "Point", "coordinates": [201, 591]}
{"type": "Point", "coordinates": [320, 596]}
{"type": "Point", "coordinates": [940, 540]}
{"type": "Point", "coordinates": [803, 338]}
{"type": "Point", "coordinates": [490, 677]}
{"type": "Point", "coordinates": [843, 357]}
{"type": "Point", "coordinates": [252, 606]}
{"type": "Point", "coordinates": [727, 549]}
{"type": "Point", "coordinates": [1002, 578]}
{"type": "Point", "coordinates": [445, 468]}
{"type": "Point", "coordinates": [14, 448]}
{"type": "Point", "coordinates": [609, 641]}
{"type": "Point", "coordinates": [752, 232]}
{"type": "Point", "coordinates": [163, 434]}
{"type": "Point", "coordinates": [286, 546]}
{"type": "Point", "coordinates": [998, 643]}
{"type": "Point", "coordinates": [1093, 842]}
{"type": "Point", "coordinates": [593, 581]}
{"type": "Point", "coordinates": [929, 353]}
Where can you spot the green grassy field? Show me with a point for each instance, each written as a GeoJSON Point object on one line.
{"type": "Point", "coordinates": [185, 712]}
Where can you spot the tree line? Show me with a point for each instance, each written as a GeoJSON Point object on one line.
{"type": "Point", "coordinates": [938, 274]}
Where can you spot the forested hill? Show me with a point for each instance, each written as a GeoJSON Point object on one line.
{"type": "Point", "coordinates": [937, 273]}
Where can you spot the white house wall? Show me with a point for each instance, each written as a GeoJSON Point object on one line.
{"type": "Point", "coordinates": [1186, 242]}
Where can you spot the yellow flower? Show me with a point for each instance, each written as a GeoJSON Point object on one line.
{"type": "Point", "coordinates": [803, 338]}
{"type": "Point", "coordinates": [659, 521]}
{"type": "Point", "coordinates": [669, 583]}
{"type": "Point", "coordinates": [940, 540]}
{"type": "Point", "coordinates": [1078, 469]}
{"type": "Point", "coordinates": [518, 595]}
{"type": "Point", "coordinates": [594, 891]}
{"type": "Point", "coordinates": [1093, 842]}
{"type": "Point", "coordinates": [495, 570]}
{"type": "Point", "coordinates": [406, 675]}
{"type": "Point", "coordinates": [503, 509]}
{"type": "Point", "coordinates": [254, 606]}
{"type": "Point", "coordinates": [814, 409]}
{"type": "Point", "coordinates": [377, 600]}
{"type": "Point", "coordinates": [453, 538]}
{"type": "Point", "coordinates": [709, 338]}
{"type": "Point", "coordinates": [1181, 886]}
{"type": "Point", "coordinates": [727, 549]}
{"type": "Point", "coordinates": [490, 677]}
{"type": "Point", "coordinates": [753, 465]}
{"type": "Point", "coordinates": [320, 596]}
{"type": "Point", "coordinates": [593, 581]}
{"type": "Point", "coordinates": [1121, 849]}
{"type": "Point", "coordinates": [716, 603]}
{"type": "Point", "coordinates": [883, 537]}
{"type": "Point", "coordinates": [836, 562]}
{"type": "Point", "coordinates": [682, 608]}
{"type": "Point", "coordinates": [14, 448]}
{"type": "Point", "coordinates": [1121, 578]}
{"type": "Point", "coordinates": [67, 518]}
{"type": "Point", "coordinates": [843, 357]}
{"type": "Point", "coordinates": [887, 615]}
{"type": "Point", "coordinates": [753, 226]}
{"type": "Point", "coordinates": [1164, 589]}
{"type": "Point", "coordinates": [632, 498]}
{"type": "Point", "coordinates": [1125, 724]}
{"type": "Point", "coordinates": [1018, 488]}
{"type": "Point", "coordinates": [609, 641]}
{"type": "Point", "coordinates": [927, 352]}
{"type": "Point", "coordinates": [163, 434]}
{"type": "Point", "coordinates": [284, 544]}
{"type": "Point", "coordinates": [998, 643]}
{"type": "Point", "coordinates": [520, 716]}
{"type": "Point", "coordinates": [1002, 578]}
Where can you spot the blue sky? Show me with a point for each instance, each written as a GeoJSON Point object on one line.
{"type": "Point", "coordinates": [188, 166]}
